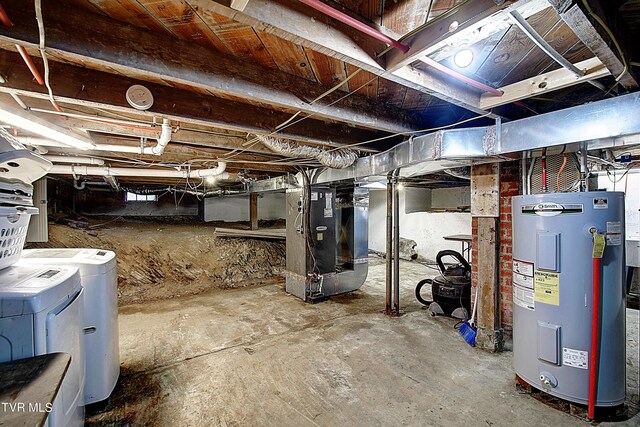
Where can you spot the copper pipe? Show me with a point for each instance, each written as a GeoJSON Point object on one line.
{"type": "Point", "coordinates": [32, 67]}
{"type": "Point", "coordinates": [4, 18]}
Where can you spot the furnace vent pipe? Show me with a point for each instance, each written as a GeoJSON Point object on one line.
{"type": "Point", "coordinates": [140, 172]}
{"type": "Point", "coordinates": [336, 159]}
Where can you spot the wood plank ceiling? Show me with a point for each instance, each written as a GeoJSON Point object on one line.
{"type": "Point", "coordinates": [221, 74]}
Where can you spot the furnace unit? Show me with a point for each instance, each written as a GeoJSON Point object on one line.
{"type": "Point", "coordinates": [327, 240]}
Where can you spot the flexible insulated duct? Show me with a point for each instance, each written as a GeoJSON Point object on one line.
{"type": "Point", "coordinates": [336, 159]}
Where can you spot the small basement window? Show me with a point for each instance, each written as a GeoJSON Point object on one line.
{"type": "Point", "coordinates": [133, 197]}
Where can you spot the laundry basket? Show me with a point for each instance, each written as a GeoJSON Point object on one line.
{"type": "Point", "coordinates": [14, 221]}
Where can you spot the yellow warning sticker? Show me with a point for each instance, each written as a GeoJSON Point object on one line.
{"type": "Point", "coordinates": [547, 287]}
{"type": "Point", "coordinates": [599, 242]}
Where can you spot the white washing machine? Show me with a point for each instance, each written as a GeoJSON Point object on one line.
{"type": "Point", "coordinates": [41, 312]}
{"type": "Point", "coordinates": [99, 278]}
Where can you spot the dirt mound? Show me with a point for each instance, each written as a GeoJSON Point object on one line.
{"type": "Point", "coordinates": [164, 260]}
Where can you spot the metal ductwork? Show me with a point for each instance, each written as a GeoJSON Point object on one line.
{"type": "Point", "coordinates": [603, 124]}
{"type": "Point", "coordinates": [336, 159]}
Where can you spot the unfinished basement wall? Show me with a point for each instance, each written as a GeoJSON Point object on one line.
{"type": "Point", "coordinates": [108, 203]}
{"type": "Point", "coordinates": [271, 206]}
{"type": "Point", "coordinates": [426, 228]}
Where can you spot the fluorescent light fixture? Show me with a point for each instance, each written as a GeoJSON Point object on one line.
{"type": "Point", "coordinates": [34, 124]}
{"type": "Point", "coordinates": [463, 58]}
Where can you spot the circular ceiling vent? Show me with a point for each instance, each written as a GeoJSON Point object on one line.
{"type": "Point", "coordinates": [139, 97]}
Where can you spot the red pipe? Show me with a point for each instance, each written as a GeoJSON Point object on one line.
{"type": "Point", "coordinates": [544, 170]}
{"type": "Point", "coordinates": [4, 18]}
{"type": "Point", "coordinates": [595, 326]}
{"type": "Point", "coordinates": [354, 23]}
{"type": "Point", "coordinates": [30, 64]}
{"type": "Point", "coordinates": [438, 66]}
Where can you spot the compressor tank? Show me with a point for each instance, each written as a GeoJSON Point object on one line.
{"type": "Point", "coordinates": [553, 294]}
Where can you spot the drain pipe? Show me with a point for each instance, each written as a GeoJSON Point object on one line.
{"type": "Point", "coordinates": [584, 178]}
{"type": "Point", "coordinates": [354, 23]}
{"type": "Point", "coordinates": [139, 172]}
{"type": "Point", "coordinates": [74, 159]}
{"type": "Point", "coordinates": [389, 231]}
{"type": "Point", "coordinates": [523, 171]}
{"type": "Point", "coordinates": [157, 150]}
{"type": "Point", "coordinates": [530, 173]}
{"type": "Point", "coordinates": [165, 137]}
{"type": "Point", "coordinates": [543, 163]}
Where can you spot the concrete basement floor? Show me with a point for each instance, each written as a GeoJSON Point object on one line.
{"type": "Point", "coordinates": [257, 356]}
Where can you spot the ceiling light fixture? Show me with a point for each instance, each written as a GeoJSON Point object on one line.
{"type": "Point", "coordinates": [463, 58]}
{"type": "Point", "coordinates": [30, 123]}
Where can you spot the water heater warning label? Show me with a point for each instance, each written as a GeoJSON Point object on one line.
{"type": "Point", "coordinates": [547, 287]}
{"type": "Point", "coordinates": [575, 358]}
{"type": "Point", "coordinates": [614, 233]}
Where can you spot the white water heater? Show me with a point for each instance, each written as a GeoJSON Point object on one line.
{"type": "Point", "coordinates": [553, 294]}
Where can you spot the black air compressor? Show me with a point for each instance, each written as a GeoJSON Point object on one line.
{"type": "Point", "coordinates": [451, 290]}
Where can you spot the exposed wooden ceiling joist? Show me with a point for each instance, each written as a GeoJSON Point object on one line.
{"type": "Point", "coordinates": [595, 38]}
{"type": "Point", "coordinates": [96, 89]}
{"type": "Point", "coordinates": [100, 42]}
{"type": "Point", "coordinates": [547, 82]}
{"type": "Point", "coordinates": [292, 22]}
{"type": "Point", "coordinates": [474, 21]}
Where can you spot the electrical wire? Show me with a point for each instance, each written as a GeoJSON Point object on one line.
{"type": "Point", "coordinates": [413, 133]}
{"type": "Point", "coordinates": [45, 61]}
{"type": "Point", "coordinates": [613, 39]}
{"type": "Point", "coordinates": [283, 126]}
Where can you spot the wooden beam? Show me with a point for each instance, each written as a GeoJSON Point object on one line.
{"type": "Point", "coordinates": [475, 21]}
{"type": "Point", "coordinates": [239, 4]}
{"type": "Point", "coordinates": [253, 210]}
{"type": "Point", "coordinates": [547, 82]}
{"type": "Point", "coordinates": [96, 89]}
{"type": "Point", "coordinates": [485, 207]}
{"type": "Point", "coordinates": [98, 42]}
{"type": "Point", "coordinates": [301, 25]}
{"type": "Point", "coordinates": [595, 38]}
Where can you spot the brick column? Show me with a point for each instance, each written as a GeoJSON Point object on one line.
{"type": "Point", "coordinates": [498, 205]}
{"type": "Point", "coordinates": [509, 187]}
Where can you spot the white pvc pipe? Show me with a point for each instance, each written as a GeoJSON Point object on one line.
{"type": "Point", "coordinates": [140, 172]}
{"type": "Point", "coordinates": [74, 159]}
{"type": "Point", "coordinates": [164, 139]}
{"type": "Point", "coordinates": [157, 150]}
